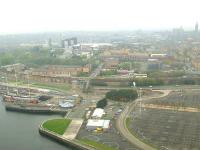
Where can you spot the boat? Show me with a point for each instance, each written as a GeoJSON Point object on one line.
{"type": "Point", "coordinates": [24, 99]}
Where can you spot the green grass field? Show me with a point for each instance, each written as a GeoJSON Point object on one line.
{"type": "Point", "coordinates": [57, 87]}
{"type": "Point", "coordinates": [97, 145]}
{"type": "Point", "coordinates": [57, 125]}
{"type": "Point", "coordinates": [51, 86]}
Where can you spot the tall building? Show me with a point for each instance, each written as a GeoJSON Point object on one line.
{"type": "Point", "coordinates": [69, 42]}
{"type": "Point", "coordinates": [196, 27]}
{"type": "Point", "coordinates": [50, 42]}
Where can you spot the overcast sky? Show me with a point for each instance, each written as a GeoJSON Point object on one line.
{"type": "Point", "coordinates": [62, 15]}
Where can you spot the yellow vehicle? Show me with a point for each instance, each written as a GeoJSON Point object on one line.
{"type": "Point", "coordinates": [99, 129]}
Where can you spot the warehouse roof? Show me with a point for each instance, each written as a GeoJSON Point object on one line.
{"type": "Point", "coordinates": [98, 123]}
{"type": "Point", "coordinates": [98, 113]}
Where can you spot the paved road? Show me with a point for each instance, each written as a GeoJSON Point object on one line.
{"type": "Point", "coordinates": [121, 122]}
{"type": "Point", "coordinates": [97, 71]}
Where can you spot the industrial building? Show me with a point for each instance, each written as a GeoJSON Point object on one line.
{"type": "Point", "coordinates": [98, 113]}
{"type": "Point", "coordinates": [93, 124]}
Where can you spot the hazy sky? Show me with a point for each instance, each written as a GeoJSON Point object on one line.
{"type": "Point", "coordinates": [62, 15]}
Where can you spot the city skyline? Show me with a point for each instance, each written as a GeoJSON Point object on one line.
{"type": "Point", "coordinates": [47, 16]}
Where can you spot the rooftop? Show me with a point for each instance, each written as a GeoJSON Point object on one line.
{"type": "Point", "coordinates": [98, 113]}
{"type": "Point", "coordinates": [98, 123]}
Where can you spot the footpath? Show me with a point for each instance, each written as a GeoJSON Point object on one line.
{"type": "Point", "coordinates": [73, 129]}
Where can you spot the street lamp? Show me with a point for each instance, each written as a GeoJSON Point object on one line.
{"type": "Point", "coordinates": [16, 79]}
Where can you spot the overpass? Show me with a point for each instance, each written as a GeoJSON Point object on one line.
{"type": "Point", "coordinates": [93, 75]}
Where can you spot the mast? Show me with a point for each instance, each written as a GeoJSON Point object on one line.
{"type": "Point", "coordinates": [16, 79]}
{"type": "Point", "coordinates": [29, 90]}
{"type": "Point", "coordinates": [7, 83]}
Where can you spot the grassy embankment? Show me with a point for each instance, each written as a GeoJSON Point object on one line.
{"type": "Point", "coordinates": [50, 86]}
{"type": "Point", "coordinates": [57, 125]}
{"type": "Point", "coordinates": [60, 125]}
{"type": "Point", "coordinates": [97, 145]}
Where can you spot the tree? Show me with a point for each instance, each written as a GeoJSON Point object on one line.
{"type": "Point", "coordinates": [122, 95]}
{"type": "Point", "coordinates": [102, 103]}
{"type": "Point", "coordinates": [83, 74]}
{"type": "Point", "coordinates": [124, 65]}
{"type": "Point", "coordinates": [6, 59]}
{"type": "Point", "coordinates": [148, 81]}
{"type": "Point", "coordinates": [108, 72]}
{"type": "Point", "coordinates": [188, 81]}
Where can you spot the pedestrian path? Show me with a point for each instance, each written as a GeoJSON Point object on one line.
{"type": "Point", "coordinates": [73, 129]}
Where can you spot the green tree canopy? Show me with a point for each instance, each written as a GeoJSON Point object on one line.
{"type": "Point", "coordinates": [122, 95]}
{"type": "Point", "coordinates": [125, 65]}
{"type": "Point", "coordinates": [102, 103]}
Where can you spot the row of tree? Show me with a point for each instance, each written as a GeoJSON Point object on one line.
{"type": "Point", "coordinates": [147, 82]}
{"type": "Point", "coordinates": [38, 57]}
{"type": "Point", "coordinates": [161, 74]}
{"type": "Point", "coordinates": [123, 95]}
{"type": "Point", "coordinates": [108, 72]}
{"type": "Point", "coordinates": [165, 81]}
{"type": "Point", "coordinates": [153, 82]}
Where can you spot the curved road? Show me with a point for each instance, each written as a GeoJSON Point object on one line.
{"type": "Point", "coordinates": [121, 122]}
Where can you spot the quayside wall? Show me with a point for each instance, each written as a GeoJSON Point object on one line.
{"type": "Point", "coordinates": [38, 110]}
{"type": "Point", "coordinates": [70, 143]}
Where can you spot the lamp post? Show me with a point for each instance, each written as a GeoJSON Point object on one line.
{"type": "Point", "coordinates": [29, 91]}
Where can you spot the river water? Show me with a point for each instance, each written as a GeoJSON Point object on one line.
{"type": "Point", "coordinates": [19, 131]}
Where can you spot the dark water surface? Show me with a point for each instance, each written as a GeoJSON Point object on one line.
{"type": "Point", "coordinates": [19, 131]}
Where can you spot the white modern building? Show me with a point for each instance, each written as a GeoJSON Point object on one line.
{"type": "Point", "coordinates": [93, 124]}
{"type": "Point", "coordinates": [136, 75]}
{"type": "Point", "coordinates": [158, 55]}
{"type": "Point", "coordinates": [98, 113]}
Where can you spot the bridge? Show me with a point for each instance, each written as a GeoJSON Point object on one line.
{"type": "Point", "coordinates": [93, 75]}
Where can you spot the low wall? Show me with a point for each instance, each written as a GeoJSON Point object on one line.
{"type": "Point", "coordinates": [34, 110]}
{"type": "Point", "coordinates": [70, 143]}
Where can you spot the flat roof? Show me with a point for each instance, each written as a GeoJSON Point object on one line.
{"type": "Point", "coordinates": [98, 123]}
{"type": "Point", "coordinates": [66, 105]}
{"type": "Point", "coordinates": [98, 112]}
